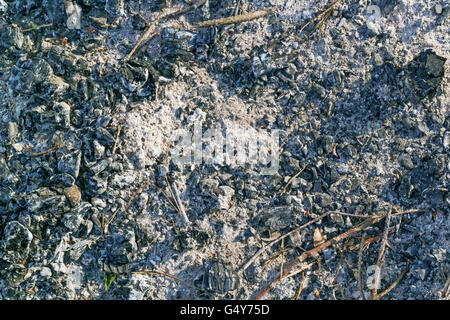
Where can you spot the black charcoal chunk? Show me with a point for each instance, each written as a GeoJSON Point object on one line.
{"type": "Point", "coordinates": [219, 277]}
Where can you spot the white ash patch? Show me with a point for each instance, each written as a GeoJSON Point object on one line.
{"type": "Point", "coordinates": [147, 131]}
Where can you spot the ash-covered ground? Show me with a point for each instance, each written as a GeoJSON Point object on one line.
{"type": "Point", "coordinates": [360, 100]}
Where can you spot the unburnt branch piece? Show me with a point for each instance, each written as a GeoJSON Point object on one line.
{"type": "Point", "coordinates": [149, 30]}
{"type": "Point", "coordinates": [234, 19]}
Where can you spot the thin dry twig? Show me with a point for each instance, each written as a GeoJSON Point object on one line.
{"type": "Point", "coordinates": [266, 246]}
{"type": "Point", "coordinates": [272, 237]}
{"type": "Point", "coordinates": [338, 269]}
{"type": "Point", "coordinates": [381, 256]}
{"type": "Point", "coordinates": [57, 146]}
{"type": "Point", "coordinates": [407, 211]}
{"type": "Point", "coordinates": [176, 201]}
{"type": "Point", "coordinates": [171, 16]}
{"type": "Point", "coordinates": [302, 268]}
{"type": "Point", "coordinates": [330, 109]}
{"type": "Point", "coordinates": [149, 30]}
{"type": "Point", "coordinates": [234, 19]}
{"type": "Point", "coordinates": [446, 290]}
{"type": "Point", "coordinates": [167, 197]}
{"type": "Point", "coordinates": [350, 214]}
{"type": "Point", "coordinates": [321, 23]}
{"type": "Point", "coordinates": [360, 253]}
{"type": "Point", "coordinates": [358, 228]}
{"type": "Point", "coordinates": [180, 206]}
{"type": "Point", "coordinates": [274, 257]}
{"type": "Point", "coordinates": [300, 288]}
{"type": "Point", "coordinates": [103, 223]}
{"type": "Point", "coordinates": [293, 178]}
{"type": "Point", "coordinates": [164, 194]}
{"type": "Point", "coordinates": [392, 286]}
{"type": "Point", "coordinates": [324, 15]}
{"type": "Point", "coordinates": [365, 244]}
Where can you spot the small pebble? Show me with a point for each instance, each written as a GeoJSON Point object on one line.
{"type": "Point", "coordinates": [13, 131]}
{"type": "Point", "coordinates": [438, 9]}
{"type": "Point", "coordinates": [46, 272]}
{"type": "Point", "coordinates": [73, 194]}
